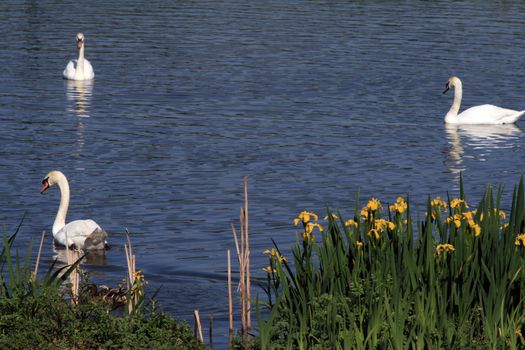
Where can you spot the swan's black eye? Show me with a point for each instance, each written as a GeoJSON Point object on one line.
{"type": "Point", "coordinates": [44, 181]}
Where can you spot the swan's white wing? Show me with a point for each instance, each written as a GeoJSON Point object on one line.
{"type": "Point", "coordinates": [69, 72]}
{"type": "Point", "coordinates": [89, 73]}
{"type": "Point", "coordinates": [76, 232]}
{"type": "Point", "coordinates": [489, 114]}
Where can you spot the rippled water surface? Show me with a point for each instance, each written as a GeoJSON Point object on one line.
{"type": "Point", "coordinates": [313, 100]}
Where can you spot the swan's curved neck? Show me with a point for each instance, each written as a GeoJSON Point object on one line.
{"type": "Point", "coordinates": [60, 219]}
{"type": "Point", "coordinates": [79, 72]}
{"type": "Point", "coordinates": [454, 109]}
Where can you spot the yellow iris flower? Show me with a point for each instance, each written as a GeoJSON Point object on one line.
{"type": "Point", "coordinates": [438, 203]}
{"type": "Point", "coordinates": [374, 204]}
{"type": "Point", "coordinates": [351, 223]}
{"type": "Point", "coordinates": [455, 202]}
{"type": "Point", "coordinates": [520, 239]}
{"type": "Point", "coordinates": [444, 247]}
{"type": "Point", "coordinates": [274, 254]}
{"type": "Point", "coordinates": [305, 217]}
{"type": "Point", "coordinates": [374, 232]}
{"type": "Point", "coordinates": [400, 206]}
{"type": "Point", "coordinates": [269, 269]}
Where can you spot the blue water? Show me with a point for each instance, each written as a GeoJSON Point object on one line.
{"type": "Point", "coordinates": [313, 100]}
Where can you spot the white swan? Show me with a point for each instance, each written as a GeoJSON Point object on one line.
{"type": "Point", "coordinates": [83, 234]}
{"type": "Point", "coordinates": [484, 114]}
{"type": "Point", "coordinates": [79, 69]}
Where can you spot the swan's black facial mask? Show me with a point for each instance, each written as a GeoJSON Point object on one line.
{"type": "Point", "coordinates": [447, 87]}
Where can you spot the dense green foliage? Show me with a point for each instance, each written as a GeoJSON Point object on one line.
{"type": "Point", "coordinates": [47, 321]}
{"type": "Point", "coordinates": [38, 314]}
{"type": "Point", "coordinates": [455, 280]}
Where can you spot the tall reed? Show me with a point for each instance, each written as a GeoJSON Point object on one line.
{"type": "Point", "coordinates": [243, 257]}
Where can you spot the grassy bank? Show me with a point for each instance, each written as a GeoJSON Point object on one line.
{"type": "Point", "coordinates": [45, 313]}
{"type": "Point", "coordinates": [382, 280]}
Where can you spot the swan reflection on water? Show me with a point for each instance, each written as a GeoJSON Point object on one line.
{"type": "Point", "coordinates": [480, 138]}
{"type": "Point", "coordinates": [79, 94]}
{"type": "Point", "coordinates": [95, 258]}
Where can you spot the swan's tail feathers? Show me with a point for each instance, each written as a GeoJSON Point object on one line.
{"type": "Point", "coordinates": [513, 118]}
{"type": "Point", "coordinates": [96, 240]}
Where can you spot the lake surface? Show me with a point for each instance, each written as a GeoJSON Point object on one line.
{"type": "Point", "coordinates": [313, 100]}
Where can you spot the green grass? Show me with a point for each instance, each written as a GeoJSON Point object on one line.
{"type": "Point", "coordinates": [378, 282]}
{"type": "Point", "coordinates": [36, 314]}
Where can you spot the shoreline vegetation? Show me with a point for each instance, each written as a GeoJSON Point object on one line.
{"type": "Point", "coordinates": [61, 310]}
{"type": "Point", "coordinates": [378, 280]}
{"type": "Point", "coordinates": [383, 280]}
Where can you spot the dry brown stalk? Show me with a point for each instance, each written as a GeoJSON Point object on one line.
{"type": "Point", "coordinates": [236, 244]}
{"type": "Point", "coordinates": [243, 255]}
{"type": "Point", "coordinates": [130, 260]}
{"type": "Point", "coordinates": [72, 257]}
{"type": "Point", "coordinates": [242, 275]}
{"type": "Point", "coordinates": [230, 302]}
{"type": "Point", "coordinates": [35, 273]}
{"type": "Point", "coordinates": [198, 327]}
{"type": "Point", "coordinates": [247, 255]}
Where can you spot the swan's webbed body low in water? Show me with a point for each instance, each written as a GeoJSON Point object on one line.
{"type": "Point", "coordinates": [83, 234]}
{"type": "Point", "coordinates": [484, 114]}
{"type": "Point", "coordinates": [79, 69]}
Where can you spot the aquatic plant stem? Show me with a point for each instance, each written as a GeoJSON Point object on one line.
{"type": "Point", "coordinates": [230, 303]}
{"type": "Point", "coordinates": [198, 328]}
{"type": "Point", "coordinates": [35, 273]}
{"type": "Point", "coordinates": [247, 243]}
{"type": "Point", "coordinates": [130, 260]}
{"type": "Point", "coordinates": [72, 257]}
{"type": "Point", "coordinates": [242, 275]}
{"type": "Point", "coordinates": [236, 244]}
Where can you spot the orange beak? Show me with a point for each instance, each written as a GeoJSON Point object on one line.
{"type": "Point", "coordinates": [45, 187]}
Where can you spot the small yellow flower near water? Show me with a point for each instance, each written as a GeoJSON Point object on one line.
{"type": "Point", "coordinates": [374, 204]}
{"type": "Point", "coordinates": [502, 214]}
{"type": "Point", "coordinates": [307, 236]}
{"type": "Point", "coordinates": [518, 332]}
{"type": "Point", "coordinates": [365, 214]}
{"type": "Point", "coordinates": [274, 254]}
{"type": "Point", "coordinates": [269, 269]}
{"type": "Point", "coordinates": [456, 219]}
{"type": "Point", "coordinates": [382, 224]}
{"type": "Point", "coordinates": [400, 206]}
{"type": "Point", "coordinates": [334, 217]}
{"type": "Point", "coordinates": [310, 227]}
{"type": "Point", "coordinates": [468, 215]}
{"type": "Point", "coordinates": [520, 239]}
{"type": "Point", "coordinates": [455, 202]}
{"type": "Point", "coordinates": [374, 232]}
{"type": "Point", "coordinates": [444, 247]}
{"type": "Point", "coordinates": [305, 217]}
{"type": "Point", "coordinates": [438, 203]}
{"type": "Point", "coordinates": [359, 244]}
{"type": "Point", "coordinates": [351, 223]}
{"type": "Point", "coordinates": [475, 228]}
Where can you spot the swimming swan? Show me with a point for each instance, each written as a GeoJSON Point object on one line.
{"type": "Point", "coordinates": [484, 114]}
{"type": "Point", "coordinates": [79, 69]}
{"type": "Point", "coordinates": [83, 234]}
